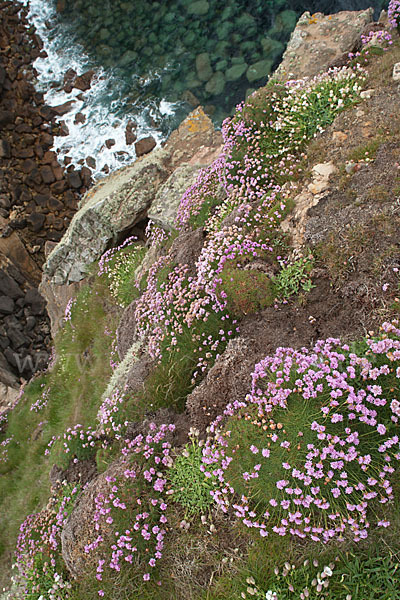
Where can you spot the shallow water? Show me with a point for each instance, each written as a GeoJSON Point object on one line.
{"type": "Point", "coordinates": [155, 61]}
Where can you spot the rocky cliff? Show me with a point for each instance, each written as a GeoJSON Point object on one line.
{"type": "Point", "coordinates": [209, 305]}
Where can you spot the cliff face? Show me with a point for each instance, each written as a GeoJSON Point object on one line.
{"type": "Point", "coordinates": [206, 271]}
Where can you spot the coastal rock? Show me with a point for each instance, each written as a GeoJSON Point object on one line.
{"type": "Point", "coordinates": [235, 72]}
{"type": "Point", "coordinates": [319, 40]}
{"type": "Point", "coordinates": [145, 145]}
{"type": "Point", "coordinates": [228, 380]}
{"type": "Point", "coordinates": [200, 7]}
{"type": "Point", "coordinates": [84, 81]}
{"type": "Point", "coordinates": [258, 70]}
{"type": "Point", "coordinates": [8, 397]}
{"type": "Point", "coordinates": [78, 530]}
{"type": "Point", "coordinates": [7, 378]}
{"type": "Point", "coordinates": [56, 296]}
{"type": "Point", "coordinates": [166, 202]}
{"type": "Point", "coordinates": [121, 200]}
{"type": "Point", "coordinates": [216, 84]}
{"type": "Point", "coordinates": [203, 66]}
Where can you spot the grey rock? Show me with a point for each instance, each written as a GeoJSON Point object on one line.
{"type": "Point", "coordinates": [259, 70]}
{"type": "Point", "coordinates": [203, 66]}
{"type": "Point", "coordinates": [16, 337]}
{"type": "Point", "coordinates": [200, 7]}
{"type": "Point", "coordinates": [5, 150]}
{"type": "Point", "coordinates": [6, 305]}
{"type": "Point", "coordinates": [122, 199]}
{"type": "Point", "coordinates": [216, 84]}
{"type": "Point", "coordinates": [35, 300]}
{"type": "Point", "coordinates": [166, 203]}
{"type": "Point", "coordinates": [317, 43]}
{"type": "Point", "coordinates": [9, 287]}
{"type": "Point", "coordinates": [235, 72]}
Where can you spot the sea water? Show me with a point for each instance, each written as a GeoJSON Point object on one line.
{"type": "Point", "coordinates": [155, 61]}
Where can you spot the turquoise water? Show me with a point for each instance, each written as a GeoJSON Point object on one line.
{"type": "Point", "coordinates": [156, 61]}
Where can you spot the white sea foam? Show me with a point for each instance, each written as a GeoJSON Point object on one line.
{"type": "Point", "coordinates": [103, 105]}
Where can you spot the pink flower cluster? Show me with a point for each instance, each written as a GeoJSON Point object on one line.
{"type": "Point", "coordinates": [38, 553]}
{"type": "Point", "coordinates": [394, 13]}
{"type": "Point", "coordinates": [141, 494]}
{"type": "Point", "coordinates": [378, 37]}
{"type": "Point", "coordinates": [109, 255]}
{"type": "Point", "coordinates": [338, 467]}
{"type": "Point", "coordinates": [42, 400]}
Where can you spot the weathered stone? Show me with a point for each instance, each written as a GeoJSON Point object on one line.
{"type": "Point", "coordinates": [74, 180]}
{"type": "Point", "coordinates": [13, 248]}
{"type": "Point", "coordinates": [84, 81]}
{"type": "Point", "coordinates": [16, 337]}
{"type": "Point", "coordinates": [6, 305]}
{"type": "Point", "coordinates": [121, 200]}
{"type": "Point", "coordinates": [63, 109]}
{"type": "Point", "coordinates": [47, 174]}
{"type": "Point", "coordinates": [9, 287]}
{"type": "Point", "coordinates": [199, 7]}
{"type": "Point", "coordinates": [396, 72]}
{"type": "Point", "coordinates": [109, 143]}
{"type": "Point", "coordinates": [35, 301]}
{"type": "Point", "coordinates": [6, 117]}
{"type": "Point", "coordinates": [6, 376]}
{"type": "Point", "coordinates": [130, 135]}
{"type": "Point", "coordinates": [36, 221]}
{"type": "Point", "coordinates": [235, 72]}
{"type": "Point", "coordinates": [216, 84]}
{"type": "Point", "coordinates": [8, 398]}
{"type": "Point", "coordinates": [166, 202]}
{"type": "Point", "coordinates": [259, 70]}
{"type": "Point", "coordinates": [145, 145]}
{"type": "Point", "coordinates": [319, 40]}
{"type": "Point", "coordinates": [5, 150]}
{"type": "Point", "coordinates": [80, 118]}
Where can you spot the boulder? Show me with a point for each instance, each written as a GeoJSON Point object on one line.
{"type": "Point", "coordinates": [5, 150]}
{"type": "Point", "coordinates": [14, 250]}
{"type": "Point", "coordinates": [6, 305]}
{"type": "Point", "coordinates": [320, 40]}
{"type": "Point", "coordinates": [145, 145]}
{"type": "Point", "coordinates": [6, 376]}
{"type": "Point", "coordinates": [203, 66]}
{"type": "Point", "coordinates": [166, 202]}
{"type": "Point", "coordinates": [9, 287]}
{"type": "Point", "coordinates": [198, 8]}
{"type": "Point", "coordinates": [235, 72]}
{"type": "Point", "coordinates": [35, 300]}
{"type": "Point", "coordinates": [84, 81]}
{"type": "Point", "coordinates": [215, 85]}
{"type": "Point", "coordinates": [260, 69]}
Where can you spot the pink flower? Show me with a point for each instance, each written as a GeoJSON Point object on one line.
{"type": "Point", "coordinates": [381, 429]}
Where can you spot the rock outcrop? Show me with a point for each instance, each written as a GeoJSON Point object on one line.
{"type": "Point", "coordinates": [124, 198]}
{"type": "Point", "coordinates": [321, 40]}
